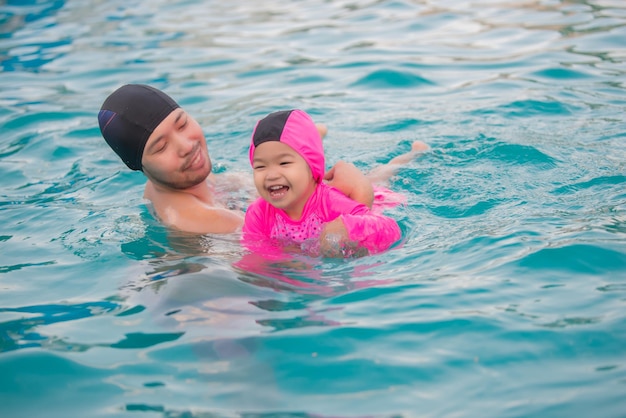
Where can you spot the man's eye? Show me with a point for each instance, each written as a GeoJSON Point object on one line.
{"type": "Point", "coordinates": [159, 148]}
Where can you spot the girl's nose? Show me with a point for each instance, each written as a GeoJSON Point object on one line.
{"type": "Point", "coordinates": [271, 173]}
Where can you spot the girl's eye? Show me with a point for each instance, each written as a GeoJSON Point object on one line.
{"type": "Point", "coordinates": [285, 163]}
{"type": "Point", "coordinates": [258, 167]}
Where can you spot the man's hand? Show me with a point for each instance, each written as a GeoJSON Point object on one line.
{"type": "Point", "coordinates": [349, 180]}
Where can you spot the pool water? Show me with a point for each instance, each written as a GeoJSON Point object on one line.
{"type": "Point", "coordinates": [505, 298]}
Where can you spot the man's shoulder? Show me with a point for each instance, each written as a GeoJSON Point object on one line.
{"type": "Point", "coordinates": [187, 212]}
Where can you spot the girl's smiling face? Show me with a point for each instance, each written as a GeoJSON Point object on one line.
{"type": "Point", "coordinates": [282, 177]}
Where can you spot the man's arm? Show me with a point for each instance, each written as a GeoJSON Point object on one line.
{"type": "Point", "coordinates": [201, 219]}
{"type": "Point", "coordinates": [187, 213]}
{"type": "Point", "coordinates": [348, 179]}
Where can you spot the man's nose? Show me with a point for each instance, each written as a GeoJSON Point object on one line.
{"type": "Point", "coordinates": [184, 144]}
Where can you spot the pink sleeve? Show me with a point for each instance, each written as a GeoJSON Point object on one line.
{"type": "Point", "coordinates": [256, 229]}
{"type": "Point", "coordinates": [373, 231]}
{"type": "Point", "coordinates": [253, 222]}
{"type": "Point", "coordinates": [370, 230]}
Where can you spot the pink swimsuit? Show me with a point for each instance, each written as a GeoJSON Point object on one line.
{"type": "Point", "coordinates": [370, 230]}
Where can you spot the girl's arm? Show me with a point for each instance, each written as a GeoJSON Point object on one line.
{"type": "Point", "coordinates": [358, 234]}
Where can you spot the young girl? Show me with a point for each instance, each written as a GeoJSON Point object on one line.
{"type": "Point", "coordinates": [295, 207]}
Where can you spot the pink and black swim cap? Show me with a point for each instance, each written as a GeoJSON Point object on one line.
{"type": "Point", "coordinates": [129, 116]}
{"type": "Point", "coordinates": [296, 129]}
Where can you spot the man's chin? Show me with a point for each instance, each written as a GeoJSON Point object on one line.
{"type": "Point", "coordinates": [182, 180]}
{"type": "Point", "coordinates": [183, 184]}
{"type": "Point", "coordinates": [190, 182]}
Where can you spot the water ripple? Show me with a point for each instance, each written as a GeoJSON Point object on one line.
{"type": "Point", "coordinates": [507, 286]}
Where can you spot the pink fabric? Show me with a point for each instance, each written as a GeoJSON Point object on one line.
{"type": "Point", "coordinates": [370, 230]}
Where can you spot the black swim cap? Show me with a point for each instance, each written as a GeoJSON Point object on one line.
{"type": "Point", "coordinates": [129, 116]}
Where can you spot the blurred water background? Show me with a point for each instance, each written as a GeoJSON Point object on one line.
{"type": "Point", "coordinates": [506, 297]}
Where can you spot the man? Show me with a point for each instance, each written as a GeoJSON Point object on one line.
{"type": "Point", "coordinates": [150, 132]}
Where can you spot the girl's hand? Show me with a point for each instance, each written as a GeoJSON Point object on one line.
{"type": "Point", "coordinates": [335, 242]}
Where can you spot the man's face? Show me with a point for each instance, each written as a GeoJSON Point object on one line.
{"type": "Point", "coordinates": [176, 154]}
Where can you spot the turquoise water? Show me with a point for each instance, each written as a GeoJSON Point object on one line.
{"type": "Point", "coordinates": [506, 298]}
